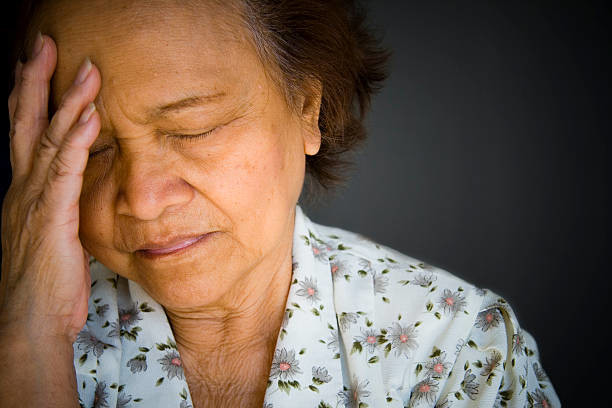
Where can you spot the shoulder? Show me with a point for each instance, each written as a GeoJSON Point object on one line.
{"type": "Point", "coordinates": [438, 337]}
{"type": "Point", "coordinates": [398, 281]}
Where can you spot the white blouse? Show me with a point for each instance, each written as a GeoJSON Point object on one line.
{"type": "Point", "coordinates": [364, 326]}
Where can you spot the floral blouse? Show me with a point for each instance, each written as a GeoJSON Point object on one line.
{"type": "Point", "coordinates": [364, 326]}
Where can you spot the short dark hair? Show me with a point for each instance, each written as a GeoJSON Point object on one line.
{"type": "Point", "coordinates": [302, 40]}
{"type": "Point", "coordinates": [327, 40]}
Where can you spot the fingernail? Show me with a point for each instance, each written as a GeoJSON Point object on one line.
{"type": "Point", "coordinates": [83, 71]}
{"type": "Point", "coordinates": [91, 107]}
{"type": "Point", "coordinates": [38, 45]}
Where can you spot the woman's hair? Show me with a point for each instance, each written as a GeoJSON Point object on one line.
{"type": "Point", "coordinates": [306, 42]}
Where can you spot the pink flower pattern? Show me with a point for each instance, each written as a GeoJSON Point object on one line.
{"type": "Point", "coordinates": [431, 340]}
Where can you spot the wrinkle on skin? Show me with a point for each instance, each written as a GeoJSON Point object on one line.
{"type": "Point", "coordinates": [224, 299]}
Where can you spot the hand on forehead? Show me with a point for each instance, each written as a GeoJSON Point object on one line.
{"type": "Point", "coordinates": [150, 55]}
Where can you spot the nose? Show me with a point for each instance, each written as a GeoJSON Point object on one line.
{"type": "Point", "coordinates": [149, 185]}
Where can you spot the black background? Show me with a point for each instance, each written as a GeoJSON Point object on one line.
{"type": "Point", "coordinates": [489, 156]}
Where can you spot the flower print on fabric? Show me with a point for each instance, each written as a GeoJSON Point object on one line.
{"type": "Point", "coordinates": [123, 400]}
{"type": "Point", "coordinates": [365, 268]}
{"type": "Point", "coordinates": [285, 368]}
{"type": "Point", "coordinates": [432, 345]}
{"type": "Point", "coordinates": [320, 375]}
{"type": "Point", "coordinates": [284, 365]}
{"type": "Point", "coordinates": [539, 372]}
{"type": "Point", "coordinates": [380, 282]}
{"type": "Point", "coordinates": [390, 263]}
{"type": "Point", "coordinates": [452, 302]}
{"type": "Point", "coordinates": [403, 339]}
{"type": "Point", "coordinates": [309, 290]}
{"type": "Point", "coordinates": [539, 400]}
{"type": "Point", "coordinates": [492, 362]}
{"type": "Point", "coordinates": [367, 340]}
{"type": "Point", "coordinates": [338, 270]}
{"type": "Point", "coordinates": [172, 364]}
{"type": "Point", "coordinates": [88, 342]}
{"type": "Point", "coordinates": [346, 319]}
{"type": "Point", "coordinates": [354, 395]}
{"type": "Point", "coordinates": [469, 385]}
{"type": "Point", "coordinates": [320, 249]}
{"type": "Point", "coordinates": [286, 317]}
{"type": "Point", "coordinates": [438, 367]}
{"type": "Point", "coordinates": [101, 310]}
{"type": "Point", "coordinates": [138, 363]}
{"type": "Point", "coordinates": [129, 317]}
{"type": "Point", "coordinates": [332, 341]}
{"type": "Point", "coordinates": [424, 391]}
{"type": "Point", "coordinates": [100, 396]}
{"type": "Point", "coordinates": [125, 326]}
{"type": "Point", "coordinates": [424, 280]}
{"type": "Point", "coordinates": [443, 403]}
{"type": "Point", "coordinates": [487, 319]}
{"type": "Point", "coordinates": [518, 343]}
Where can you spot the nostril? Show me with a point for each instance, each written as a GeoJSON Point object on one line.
{"type": "Point", "coordinates": [147, 196]}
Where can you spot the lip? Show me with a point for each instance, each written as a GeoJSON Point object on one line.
{"type": "Point", "coordinates": [175, 247]}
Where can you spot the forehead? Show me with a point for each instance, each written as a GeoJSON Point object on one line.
{"type": "Point", "coordinates": [149, 51]}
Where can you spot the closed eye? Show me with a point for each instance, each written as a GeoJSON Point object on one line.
{"type": "Point", "coordinates": [104, 148]}
{"type": "Point", "coordinates": [178, 136]}
{"type": "Point", "coordinates": [193, 137]}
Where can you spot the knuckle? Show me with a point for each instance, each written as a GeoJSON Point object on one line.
{"type": "Point", "coordinates": [18, 212]}
{"type": "Point", "coordinates": [12, 133]}
{"type": "Point", "coordinates": [48, 142]}
{"type": "Point", "coordinates": [33, 213]}
{"type": "Point", "coordinates": [26, 119]}
{"type": "Point", "coordinates": [20, 116]}
{"type": "Point", "coordinates": [29, 73]}
{"type": "Point", "coordinates": [59, 167]}
{"type": "Point", "coordinates": [12, 99]}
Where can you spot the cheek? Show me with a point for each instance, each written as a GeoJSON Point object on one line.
{"type": "Point", "coordinates": [96, 218]}
{"type": "Point", "coordinates": [256, 183]}
{"type": "Point", "coordinates": [258, 172]}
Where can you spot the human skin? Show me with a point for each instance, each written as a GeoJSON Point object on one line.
{"type": "Point", "coordinates": [224, 298]}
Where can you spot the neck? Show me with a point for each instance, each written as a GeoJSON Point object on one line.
{"type": "Point", "coordinates": [233, 341]}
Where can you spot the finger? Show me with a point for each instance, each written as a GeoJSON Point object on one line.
{"type": "Point", "coordinates": [83, 90]}
{"type": "Point", "coordinates": [31, 110]}
{"type": "Point", "coordinates": [12, 103]}
{"type": "Point", "coordinates": [12, 100]}
{"type": "Point", "coordinates": [62, 188]}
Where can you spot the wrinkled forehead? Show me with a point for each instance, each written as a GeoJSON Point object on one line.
{"type": "Point", "coordinates": [146, 46]}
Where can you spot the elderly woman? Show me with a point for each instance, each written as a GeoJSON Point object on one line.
{"type": "Point", "coordinates": [154, 254]}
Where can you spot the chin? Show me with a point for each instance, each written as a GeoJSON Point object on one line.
{"type": "Point", "coordinates": [189, 286]}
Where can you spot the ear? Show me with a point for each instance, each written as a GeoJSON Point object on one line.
{"type": "Point", "coordinates": [309, 108]}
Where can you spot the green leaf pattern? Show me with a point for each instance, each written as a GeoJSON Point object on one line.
{"type": "Point", "coordinates": [364, 326]}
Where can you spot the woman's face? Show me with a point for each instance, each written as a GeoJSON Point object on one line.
{"type": "Point", "coordinates": [144, 183]}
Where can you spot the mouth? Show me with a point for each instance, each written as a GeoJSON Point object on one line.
{"type": "Point", "coordinates": [176, 248]}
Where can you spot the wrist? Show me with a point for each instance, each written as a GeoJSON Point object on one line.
{"type": "Point", "coordinates": [37, 367]}
{"type": "Point", "coordinates": [31, 337]}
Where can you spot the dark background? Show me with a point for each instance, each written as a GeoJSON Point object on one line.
{"type": "Point", "coordinates": [489, 157]}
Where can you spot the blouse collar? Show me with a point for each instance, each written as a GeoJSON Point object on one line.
{"type": "Point", "coordinates": [112, 356]}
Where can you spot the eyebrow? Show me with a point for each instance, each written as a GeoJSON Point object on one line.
{"type": "Point", "coordinates": [185, 103]}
